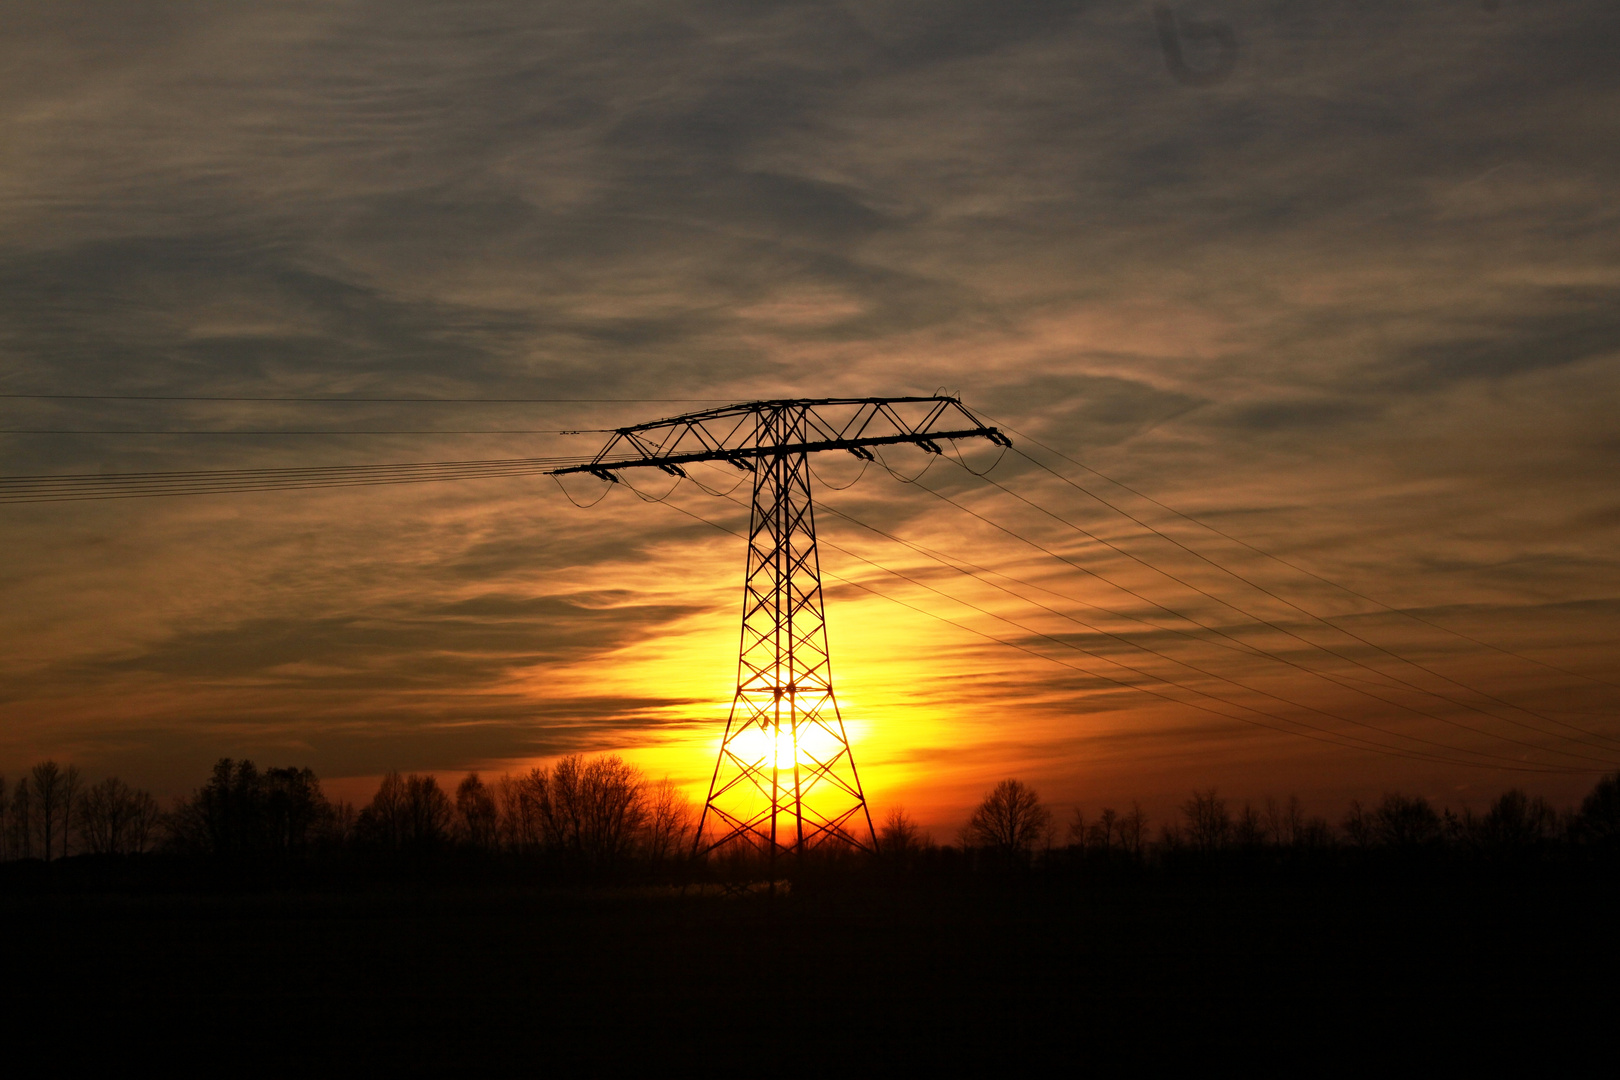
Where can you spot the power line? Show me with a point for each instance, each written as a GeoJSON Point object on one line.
{"type": "Point", "coordinates": [92, 486]}
{"type": "Point", "coordinates": [1499, 761]}
{"type": "Point", "coordinates": [372, 431]}
{"type": "Point", "coordinates": [976, 573]}
{"type": "Point", "coordinates": [1330, 738]}
{"type": "Point", "coordinates": [359, 400]}
{"type": "Point", "coordinates": [1280, 599]}
{"type": "Point", "coordinates": [1314, 644]}
{"type": "Point", "coordinates": [1279, 559]}
{"type": "Point", "coordinates": [1263, 652]}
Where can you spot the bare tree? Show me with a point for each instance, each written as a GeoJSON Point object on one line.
{"type": "Point", "coordinates": [899, 838]}
{"type": "Point", "coordinates": [5, 823]}
{"type": "Point", "coordinates": [1011, 819]}
{"type": "Point", "coordinates": [596, 809]}
{"type": "Point", "coordinates": [115, 819]}
{"type": "Point", "coordinates": [1284, 821]}
{"type": "Point", "coordinates": [144, 820]}
{"type": "Point", "coordinates": [70, 800]}
{"type": "Point", "coordinates": [1077, 835]}
{"type": "Point", "coordinates": [1315, 834]}
{"type": "Point", "coordinates": [670, 821]}
{"type": "Point", "coordinates": [1515, 823]}
{"type": "Point", "coordinates": [1599, 819]}
{"type": "Point", "coordinates": [1102, 832]}
{"type": "Point", "coordinates": [1250, 829]}
{"type": "Point", "coordinates": [295, 812]}
{"type": "Point", "coordinates": [344, 822]}
{"type": "Point", "coordinates": [427, 812]}
{"type": "Point", "coordinates": [20, 824]}
{"type": "Point", "coordinates": [47, 790]}
{"type": "Point", "coordinates": [520, 802]}
{"type": "Point", "coordinates": [1357, 825]}
{"type": "Point", "coordinates": [477, 820]}
{"type": "Point", "coordinates": [382, 822]}
{"type": "Point", "coordinates": [1133, 830]}
{"type": "Point", "coordinates": [1405, 821]}
{"type": "Point", "coordinates": [104, 817]}
{"type": "Point", "coordinates": [1209, 825]}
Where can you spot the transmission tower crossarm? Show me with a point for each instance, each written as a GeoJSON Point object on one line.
{"type": "Point", "coordinates": [739, 435]}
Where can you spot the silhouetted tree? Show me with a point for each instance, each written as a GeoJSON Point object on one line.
{"type": "Point", "coordinates": [899, 839]}
{"type": "Point", "coordinates": [1358, 825]}
{"type": "Point", "coordinates": [670, 821]}
{"type": "Point", "coordinates": [20, 824]}
{"type": "Point", "coordinates": [1284, 821]}
{"type": "Point", "coordinates": [1104, 830]}
{"type": "Point", "coordinates": [5, 822]}
{"type": "Point", "coordinates": [51, 799]}
{"type": "Point", "coordinates": [1515, 824]}
{"type": "Point", "coordinates": [115, 819]}
{"type": "Point", "coordinates": [1011, 819]}
{"type": "Point", "coordinates": [1209, 825]}
{"type": "Point", "coordinates": [1598, 822]}
{"type": "Point", "coordinates": [1133, 831]}
{"type": "Point", "coordinates": [477, 820]}
{"type": "Point", "coordinates": [1249, 831]}
{"type": "Point", "coordinates": [70, 806]}
{"type": "Point", "coordinates": [295, 812]}
{"type": "Point", "coordinates": [224, 818]}
{"type": "Point", "coordinates": [520, 801]}
{"type": "Point", "coordinates": [1315, 834]}
{"type": "Point", "coordinates": [244, 813]}
{"type": "Point", "coordinates": [1405, 822]}
{"type": "Point", "coordinates": [408, 813]}
{"type": "Point", "coordinates": [427, 812]}
{"type": "Point", "coordinates": [382, 823]}
{"type": "Point", "coordinates": [344, 819]}
{"type": "Point", "coordinates": [1077, 832]}
{"type": "Point", "coordinates": [594, 810]}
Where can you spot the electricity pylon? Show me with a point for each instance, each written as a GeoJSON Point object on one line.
{"type": "Point", "coordinates": [785, 778]}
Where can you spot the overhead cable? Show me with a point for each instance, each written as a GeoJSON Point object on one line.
{"type": "Point", "coordinates": [1313, 733]}
{"type": "Point", "coordinates": [1263, 621]}
{"type": "Point", "coordinates": [1326, 676]}
{"type": "Point", "coordinates": [1284, 600]}
{"type": "Point", "coordinates": [1285, 562]}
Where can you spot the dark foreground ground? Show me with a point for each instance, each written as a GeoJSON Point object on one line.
{"type": "Point", "coordinates": [993, 975]}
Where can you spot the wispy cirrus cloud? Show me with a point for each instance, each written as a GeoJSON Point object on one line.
{"type": "Point", "coordinates": [1351, 301]}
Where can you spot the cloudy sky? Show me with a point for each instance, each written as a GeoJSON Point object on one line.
{"type": "Point", "coordinates": [1338, 279]}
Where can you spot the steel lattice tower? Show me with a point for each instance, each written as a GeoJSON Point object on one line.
{"type": "Point", "coordinates": [785, 777]}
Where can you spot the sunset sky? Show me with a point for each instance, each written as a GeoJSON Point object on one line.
{"type": "Point", "coordinates": [1347, 290]}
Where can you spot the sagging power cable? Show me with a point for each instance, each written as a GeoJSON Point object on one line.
{"type": "Point", "coordinates": [1316, 734]}
{"type": "Point", "coordinates": [1326, 676]}
{"type": "Point", "coordinates": [1285, 562]}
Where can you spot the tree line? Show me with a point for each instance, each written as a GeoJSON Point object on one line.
{"type": "Point", "coordinates": [599, 812]}
{"type": "Point", "coordinates": [602, 812]}
{"type": "Point", "coordinates": [1012, 822]}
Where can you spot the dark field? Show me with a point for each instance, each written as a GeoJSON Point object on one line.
{"type": "Point", "coordinates": [423, 977]}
